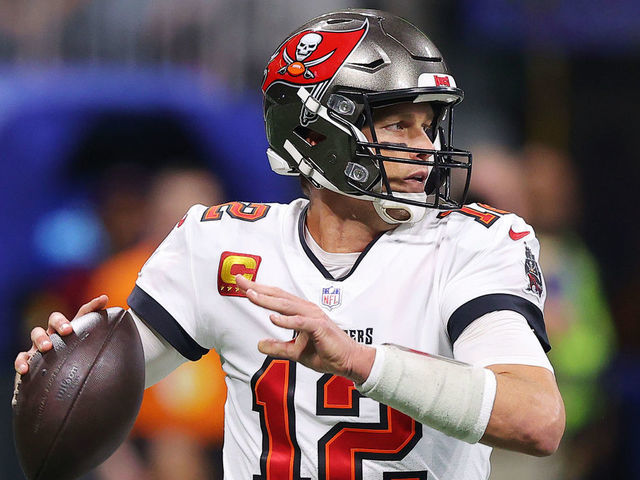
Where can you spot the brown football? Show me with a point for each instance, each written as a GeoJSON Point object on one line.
{"type": "Point", "coordinates": [78, 401]}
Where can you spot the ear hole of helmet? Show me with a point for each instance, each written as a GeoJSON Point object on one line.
{"type": "Point", "coordinates": [311, 137]}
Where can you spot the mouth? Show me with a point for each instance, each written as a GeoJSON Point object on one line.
{"type": "Point", "coordinates": [416, 180]}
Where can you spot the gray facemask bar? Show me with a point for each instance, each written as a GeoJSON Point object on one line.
{"type": "Point", "coordinates": [441, 161]}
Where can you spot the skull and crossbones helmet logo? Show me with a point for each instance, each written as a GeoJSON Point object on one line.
{"type": "Point", "coordinates": [307, 44]}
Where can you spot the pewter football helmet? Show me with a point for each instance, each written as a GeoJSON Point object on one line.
{"type": "Point", "coordinates": [325, 81]}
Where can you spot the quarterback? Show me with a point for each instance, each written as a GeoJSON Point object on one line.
{"type": "Point", "coordinates": [379, 329]}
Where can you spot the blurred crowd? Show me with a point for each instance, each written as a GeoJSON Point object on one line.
{"type": "Point", "coordinates": [536, 182]}
{"type": "Point", "coordinates": [530, 119]}
{"type": "Point", "coordinates": [178, 433]}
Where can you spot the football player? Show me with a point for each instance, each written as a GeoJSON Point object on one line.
{"type": "Point", "coordinates": [380, 329]}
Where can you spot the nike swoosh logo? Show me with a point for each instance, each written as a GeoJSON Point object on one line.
{"type": "Point", "coordinates": [518, 235]}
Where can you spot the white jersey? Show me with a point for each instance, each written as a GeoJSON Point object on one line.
{"type": "Point", "coordinates": [418, 286]}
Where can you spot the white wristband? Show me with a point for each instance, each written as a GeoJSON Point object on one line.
{"type": "Point", "coordinates": [450, 396]}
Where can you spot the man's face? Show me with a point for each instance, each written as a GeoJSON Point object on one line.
{"type": "Point", "coordinates": [404, 124]}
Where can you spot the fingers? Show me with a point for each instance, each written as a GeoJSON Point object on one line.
{"type": "Point", "coordinates": [41, 340]}
{"type": "Point", "coordinates": [278, 304]}
{"type": "Point", "coordinates": [287, 349]}
{"type": "Point", "coordinates": [21, 363]}
{"type": "Point", "coordinates": [276, 299]}
{"type": "Point", "coordinates": [246, 284]}
{"type": "Point", "coordinates": [279, 349]}
{"type": "Point", "coordinates": [94, 305]}
{"type": "Point", "coordinates": [58, 323]}
{"type": "Point", "coordinates": [294, 322]}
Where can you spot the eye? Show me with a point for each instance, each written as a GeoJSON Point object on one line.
{"type": "Point", "coordinates": [394, 127]}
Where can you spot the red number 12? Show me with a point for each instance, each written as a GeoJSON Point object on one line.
{"type": "Point", "coordinates": [342, 449]}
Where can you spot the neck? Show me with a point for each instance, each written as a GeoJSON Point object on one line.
{"type": "Point", "coordinates": [341, 224]}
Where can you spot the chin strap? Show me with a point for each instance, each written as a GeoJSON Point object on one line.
{"type": "Point", "coordinates": [414, 212]}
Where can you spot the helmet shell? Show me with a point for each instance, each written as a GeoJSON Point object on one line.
{"type": "Point", "coordinates": [323, 82]}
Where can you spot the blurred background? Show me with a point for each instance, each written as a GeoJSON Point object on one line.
{"type": "Point", "coordinates": [116, 115]}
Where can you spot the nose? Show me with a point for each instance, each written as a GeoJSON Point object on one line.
{"type": "Point", "coordinates": [421, 141]}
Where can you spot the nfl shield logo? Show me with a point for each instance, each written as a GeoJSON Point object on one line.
{"type": "Point", "coordinates": [331, 297]}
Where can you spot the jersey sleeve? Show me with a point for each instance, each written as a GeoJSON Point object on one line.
{"type": "Point", "coordinates": [500, 337]}
{"type": "Point", "coordinates": [165, 294]}
{"type": "Point", "coordinates": [494, 268]}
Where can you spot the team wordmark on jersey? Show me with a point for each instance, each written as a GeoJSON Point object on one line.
{"type": "Point", "coordinates": [232, 264]}
{"type": "Point", "coordinates": [361, 335]}
{"type": "Point", "coordinates": [533, 272]}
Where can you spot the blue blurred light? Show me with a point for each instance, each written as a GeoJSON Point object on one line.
{"type": "Point", "coordinates": [609, 27]}
{"type": "Point", "coordinates": [69, 237]}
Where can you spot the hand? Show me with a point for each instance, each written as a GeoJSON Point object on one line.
{"type": "Point", "coordinates": [320, 343]}
{"type": "Point", "coordinates": [58, 323]}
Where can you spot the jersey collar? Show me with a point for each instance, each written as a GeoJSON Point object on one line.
{"type": "Point", "coordinates": [318, 264]}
